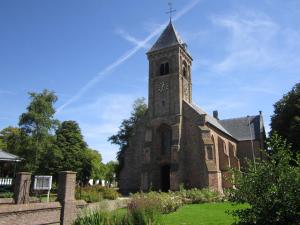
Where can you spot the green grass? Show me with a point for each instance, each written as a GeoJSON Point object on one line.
{"type": "Point", "coordinates": [202, 214]}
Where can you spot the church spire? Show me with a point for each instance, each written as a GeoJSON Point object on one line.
{"type": "Point", "coordinates": [169, 37]}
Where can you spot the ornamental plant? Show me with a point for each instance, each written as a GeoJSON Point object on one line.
{"type": "Point", "coordinates": [271, 188]}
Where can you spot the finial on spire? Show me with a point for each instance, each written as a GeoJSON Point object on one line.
{"type": "Point", "coordinates": [171, 10]}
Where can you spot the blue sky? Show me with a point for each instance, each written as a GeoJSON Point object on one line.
{"type": "Point", "coordinates": [92, 54]}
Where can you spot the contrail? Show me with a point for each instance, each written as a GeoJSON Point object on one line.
{"type": "Point", "coordinates": [125, 56]}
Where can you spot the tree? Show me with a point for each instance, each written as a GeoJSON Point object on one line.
{"type": "Point", "coordinates": [98, 169]}
{"type": "Point", "coordinates": [10, 139]}
{"type": "Point", "coordinates": [271, 190]}
{"type": "Point", "coordinates": [38, 123]}
{"type": "Point", "coordinates": [69, 141]}
{"type": "Point", "coordinates": [19, 143]}
{"type": "Point", "coordinates": [111, 169]}
{"type": "Point", "coordinates": [126, 130]}
{"type": "Point", "coordinates": [286, 118]}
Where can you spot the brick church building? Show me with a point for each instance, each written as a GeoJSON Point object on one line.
{"type": "Point", "coordinates": [177, 142]}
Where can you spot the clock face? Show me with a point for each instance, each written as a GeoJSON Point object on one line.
{"type": "Point", "coordinates": [162, 87]}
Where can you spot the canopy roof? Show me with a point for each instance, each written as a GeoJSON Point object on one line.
{"type": "Point", "coordinates": [8, 157]}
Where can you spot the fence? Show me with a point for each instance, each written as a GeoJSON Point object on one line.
{"type": "Point", "coordinates": [6, 181]}
{"type": "Point", "coordinates": [62, 212]}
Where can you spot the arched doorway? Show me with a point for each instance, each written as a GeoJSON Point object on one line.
{"type": "Point", "coordinates": [165, 178]}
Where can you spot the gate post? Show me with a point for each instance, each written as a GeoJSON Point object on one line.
{"type": "Point", "coordinates": [21, 189]}
{"type": "Point", "coordinates": [66, 196]}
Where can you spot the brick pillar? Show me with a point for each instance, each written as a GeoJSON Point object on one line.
{"type": "Point", "coordinates": [22, 185]}
{"type": "Point", "coordinates": [66, 196]}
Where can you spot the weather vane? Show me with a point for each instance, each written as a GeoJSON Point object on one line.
{"type": "Point", "coordinates": [171, 10]}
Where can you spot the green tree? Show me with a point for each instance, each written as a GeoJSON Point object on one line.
{"type": "Point", "coordinates": [111, 169]}
{"type": "Point", "coordinates": [286, 118]}
{"type": "Point", "coordinates": [73, 149]}
{"type": "Point", "coordinates": [97, 169]}
{"type": "Point", "coordinates": [126, 130]}
{"type": "Point", "coordinates": [19, 143]}
{"type": "Point", "coordinates": [271, 190]}
{"type": "Point", "coordinates": [10, 139]}
{"type": "Point", "coordinates": [38, 123]}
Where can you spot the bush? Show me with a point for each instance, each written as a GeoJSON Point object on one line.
{"type": "Point", "coordinates": [144, 211]}
{"type": "Point", "coordinates": [96, 193]}
{"type": "Point", "coordinates": [102, 218]}
{"type": "Point", "coordinates": [165, 202]}
{"type": "Point", "coordinates": [134, 216]}
{"type": "Point", "coordinates": [270, 187]}
{"type": "Point", "coordinates": [110, 193]}
{"type": "Point", "coordinates": [196, 196]}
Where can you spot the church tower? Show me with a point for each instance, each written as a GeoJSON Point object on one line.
{"type": "Point", "coordinates": [169, 84]}
{"type": "Point", "coordinates": [169, 74]}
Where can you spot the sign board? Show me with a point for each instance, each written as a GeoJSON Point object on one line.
{"type": "Point", "coordinates": [42, 183]}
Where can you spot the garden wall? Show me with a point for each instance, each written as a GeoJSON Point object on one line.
{"type": "Point", "coordinates": [63, 212]}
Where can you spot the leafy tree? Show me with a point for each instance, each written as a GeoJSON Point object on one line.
{"type": "Point", "coordinates": [38, 123]}
{"type": "Point", "coordinates": [10, 139]}
{"type": "Point", "coordinates": [97, 169]}
{"type": "Point", "coordinates": [286, 118]}
{"type": "Point", "coordinates": [69, 141]}
{"type": "Point", "coordinates": [19, 143]}
{"type": "Point", "coordinates": [272, 190]}
{"type": "Point", "coordinates": [111, 169]}
{"type": "Point", "coordinates": [126, 130]}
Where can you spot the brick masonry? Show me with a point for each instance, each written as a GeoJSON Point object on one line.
{"type": "Point", "coordinates": [63, 212]}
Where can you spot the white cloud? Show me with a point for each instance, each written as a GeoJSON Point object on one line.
{"type": "Point", "coordinates": [256, 41]}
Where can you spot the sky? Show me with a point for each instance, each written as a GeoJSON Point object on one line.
{"type": "Point", "coordinates": [246, 56]}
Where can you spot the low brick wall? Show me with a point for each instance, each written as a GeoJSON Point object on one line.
{"type": "Point", "coordinates": [33, 213]}
{"type": "Point", "coordinates": [30, 214]}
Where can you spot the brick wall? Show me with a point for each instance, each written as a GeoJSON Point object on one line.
{"type": "Point", "coordinates": [33, 213]}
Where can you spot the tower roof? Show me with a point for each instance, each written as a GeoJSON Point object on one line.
{"type": "Point", "coordinates": [169, 37]}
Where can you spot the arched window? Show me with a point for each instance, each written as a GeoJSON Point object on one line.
{"type": "Point", "coordinates": [164, 69]}
{"type": "Point", "coordinates": [184, 69]}
{"type": "Point", "coordinates": [165, 139]}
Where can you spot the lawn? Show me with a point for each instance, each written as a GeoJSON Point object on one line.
{"type": "Point", "coordinates": [202, 214]}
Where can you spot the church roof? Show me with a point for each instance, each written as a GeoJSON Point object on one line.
{"type": "Point", "coordinates": [210, 119]}
{"type": "Point", "coordinates": [239, 127]}
{"type": "Point", "coordinates": [169, 37]}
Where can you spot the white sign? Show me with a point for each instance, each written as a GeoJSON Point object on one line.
{"type": "Point", "coordinates": [42, 183]}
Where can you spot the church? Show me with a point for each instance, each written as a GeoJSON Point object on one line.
{"type": "Point", "coordinates": [178, 143]}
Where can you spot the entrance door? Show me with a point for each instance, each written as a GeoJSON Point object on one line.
{"type": "Point", "coordinates": [165, 178]}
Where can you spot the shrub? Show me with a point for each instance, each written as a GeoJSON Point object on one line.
{"type": "Point", "coordinates": [144, 211]}
{"type": "Point", "coordinates": [270, 187]}
{"type": "Point", "coordinates": [134, 216]}
{"type": "Point", "coordinates": [165, 202]}
{"type": "Point", "coordinates": [110, 193]}
{"type": "Point", "coordinates": [195, 195]}
{"type": "Point", "coordinates": [96, 193]}
{"type": "Point", "coordinates": [102, 218]}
